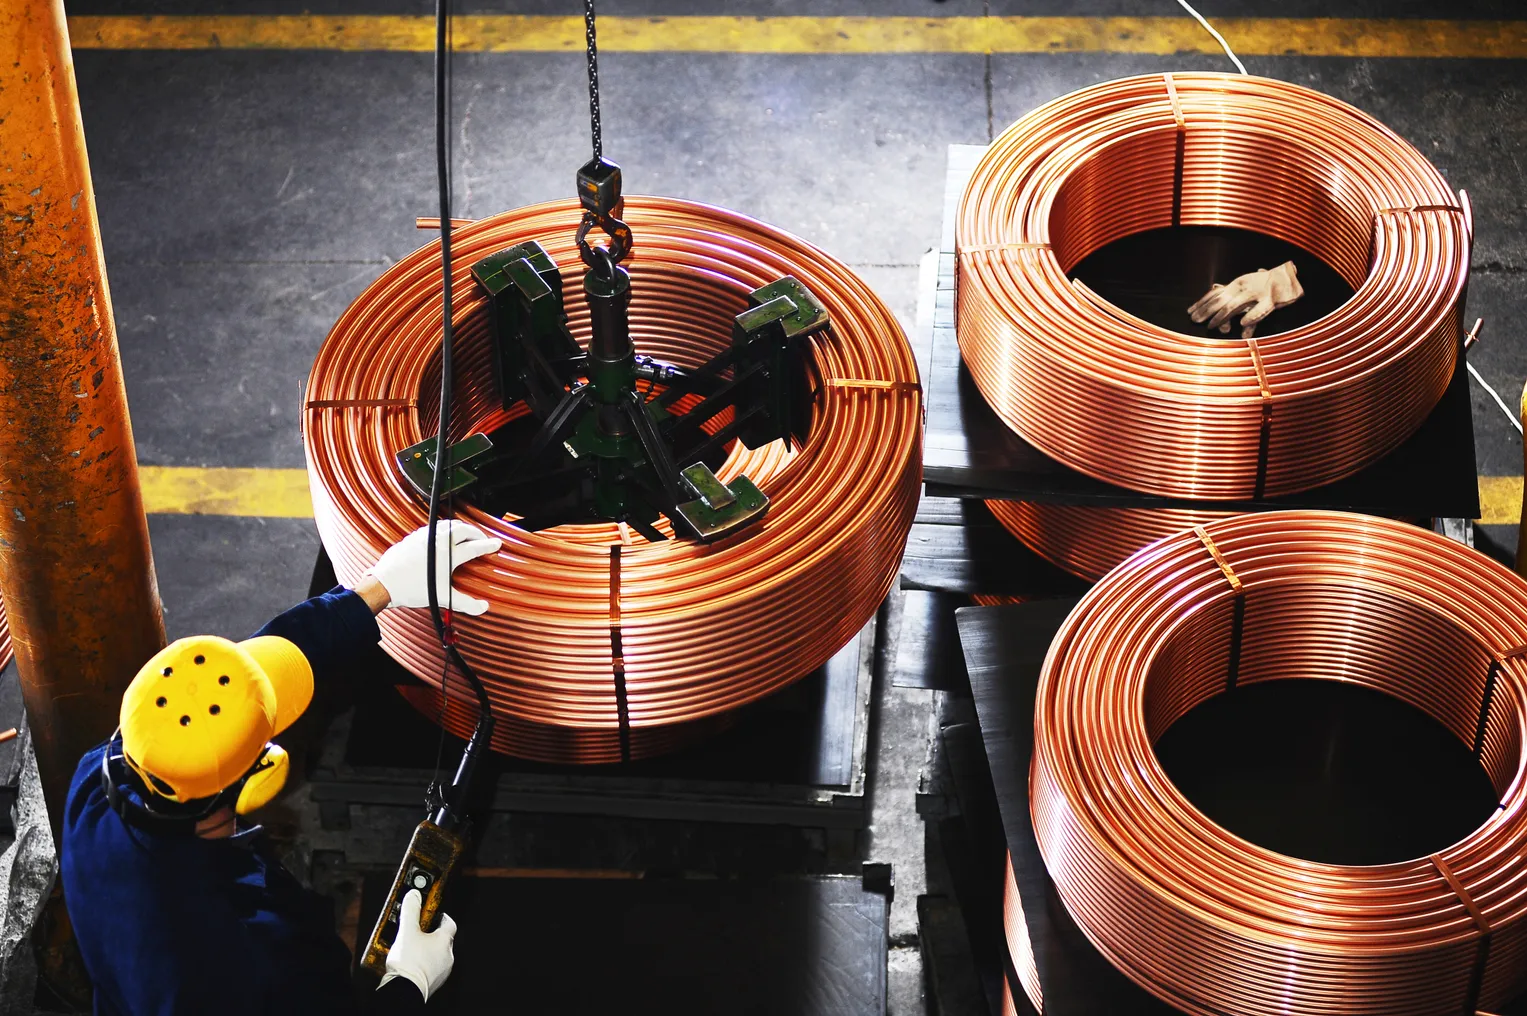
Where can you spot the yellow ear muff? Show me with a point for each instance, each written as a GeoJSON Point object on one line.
{"type": "Point", "coordinates": [266, 781]}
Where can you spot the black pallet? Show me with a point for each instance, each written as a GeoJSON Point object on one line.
{"type": "Point", "coordinates": [970, 453]}
{"type": "Point", "coordinates": [1338, 741]}
{"type": "Point", "coordinates": [957, 546]}
{"type": "Point", "coordinates": [797, 758]}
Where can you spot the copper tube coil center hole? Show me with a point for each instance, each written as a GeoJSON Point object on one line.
{"type": "Point", "coordinates": [1157, 274]}
{"type": "Point", "coordinates": [684, 332]}
{"type": "Point", "coordinates": [1298, 200]}
{"type": "Point", "coordinates": [1338, 743]}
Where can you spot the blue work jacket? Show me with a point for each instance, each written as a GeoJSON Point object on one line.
{"type": "Point", "coordinates": [182, 926]}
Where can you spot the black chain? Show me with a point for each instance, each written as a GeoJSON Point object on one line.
{"type": "Point", "coordinates": [593, 55]}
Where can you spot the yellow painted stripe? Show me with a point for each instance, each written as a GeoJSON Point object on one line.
{"type": "Point", "coordinates": [190, 490]}
{"type": "Point", "coordinates": [283, 493]}
{"type": "Point", "coordinates": [1500, 500]}
{"type": "Point", "coordinates": [1364, 37]}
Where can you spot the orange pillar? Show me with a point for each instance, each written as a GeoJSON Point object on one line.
{"type": "Point", "coordinates": [75, 570]}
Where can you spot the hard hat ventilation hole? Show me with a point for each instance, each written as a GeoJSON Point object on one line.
{"type": "Point", "coordinates": [168, 671]}
{"type": "Point", "coordinates": [200, 659]}
{"type": "Point", "coordinates": [161, 701]}
{"type": "Point", "coordinates": [214, 710]}
{"type": "Point", "coordinates": [223, 679]}
{"type": "Point", "coordinates": [185, 721]}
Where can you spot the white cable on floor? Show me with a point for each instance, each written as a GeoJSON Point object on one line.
{"type": "Point", "coordinates": [1498, 400]}
{"type": "Point", "coordinates": [1217, 37]}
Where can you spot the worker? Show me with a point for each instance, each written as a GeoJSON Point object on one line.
{"type": "Point", "coordinates": [179, 908]}
{"type": "Point", "coordinates": [1253, 295]}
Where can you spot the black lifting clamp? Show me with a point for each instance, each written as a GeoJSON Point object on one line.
{"type": "Point", "coordinates": [612, 434]}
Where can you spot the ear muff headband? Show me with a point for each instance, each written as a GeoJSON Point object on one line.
{"type": "Point", "coordinates": [255, 788]}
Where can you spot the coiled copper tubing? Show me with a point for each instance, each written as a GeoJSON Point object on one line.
{"type": "Point", "coordinates": [1134, 404]}
{"type": "Point", "coordinates": [1089, 541]}
{"type": "Point", "coordinates": [1016, 931]}
{"type": "Point", "coordinates": [6, 650]}
{"type": "Point", "coordinates": [600, 646]}
{"type": "Point", "coordinates": [1211, 923]}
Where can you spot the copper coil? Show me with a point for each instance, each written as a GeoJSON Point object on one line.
{"type": "Point", "coordinates": [1134, 404]}
{"type": "Point", "coordinates": [703, 629]}
{"type": "Point", "coordinates": [6, 650]}
{"type": "Point", "coordinates": [1009, 1004]}
{"type": "Point", "coordinates": [1016, 930]}
{"type": "Point", "coordinates": [995, 599]}
{"type": "Point", "coordinates": [1090, 541]}
{"type": "Point", "coordinates": [1211, 923]}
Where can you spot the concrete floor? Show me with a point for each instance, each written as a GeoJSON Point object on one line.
{"type": "Point", "coordinates": [247, 197]}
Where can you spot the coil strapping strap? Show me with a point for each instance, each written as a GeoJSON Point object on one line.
{"type": "Point", "coordinates": [696, 631]}
{"type": "Point", "coordinates": [1155, 410]}
{"type": "Point", "coordinates": [363, 404]}
{"type": "Point", "coordinates": [618, 656]}
{"type": "Point", "coordinates": [1384, 605]}
{"type": "Point", "coordinates": [1482, 952]}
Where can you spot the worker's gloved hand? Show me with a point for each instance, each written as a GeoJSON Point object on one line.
{"type": "Point", "coordinates": [1258, 294]}
{"type": "Point", "coordinates": [402, 568]}
{"type": "Point", "coordinates": [424, 957]}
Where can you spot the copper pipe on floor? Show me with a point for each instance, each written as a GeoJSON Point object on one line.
{"type": "Point", "coordinates": [703, 630]}
{"type": "Point", "coordinates": [76, 574]}
{"type": "Point", "coordinates": [1134, 404]}
{"type": "Point", "coordinates": [1211, 923]}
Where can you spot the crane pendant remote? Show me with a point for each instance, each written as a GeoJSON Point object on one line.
{"type": "Point", "coordinates": [427, 866]}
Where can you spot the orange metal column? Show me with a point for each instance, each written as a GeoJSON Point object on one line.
{"type": "Point", "coordinates": [75, 569]}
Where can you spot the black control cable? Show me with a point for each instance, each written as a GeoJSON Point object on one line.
{"type": "Point", "coordinates": [446, 803]}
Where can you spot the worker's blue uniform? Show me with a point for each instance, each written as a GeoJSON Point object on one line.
{"type": "Point", "coordinates": [183, 926]}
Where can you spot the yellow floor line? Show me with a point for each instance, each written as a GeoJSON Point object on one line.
{"type": "Point", "coordinates": [283, 493]}
{"type": "Point", "coordinates": [192, 490]}
{"type": "Point", "coordinates": [1500, 500]}
{"type": "Point", "coordinates": [1357, 37]}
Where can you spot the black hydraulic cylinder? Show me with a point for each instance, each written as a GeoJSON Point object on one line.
{"type": "Point", "coordinates": [612, 355]}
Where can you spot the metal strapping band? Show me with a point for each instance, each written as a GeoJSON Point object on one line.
{"type": "Point", "coordinates": [1406, 210]}
{"type": "Point", "coordinates": [1171, 93]}
{"type": "Point", "coordinates": [1238, 608]}
{"type": "Point", "coordinates": [1264, 440]}
{"type": "Point", "coordinates": [1482, 953]}
{"type": "Point", "coordinates": [362, 404]}
{"type": "Point", "coordinates": [1219, 559]}
{"type": "Point", "coordinates": [870, 384]}
{"type": "Point", "coordinates": [987, 248]}
{"type": "Point", "coordinates": [1462, 893]}
{"type": "Point", "coordinates": [1179, 160]}
{"type": "Point", "coordinates": [1498, 660]}
{"type": "Point", "coordinates": [618, 657]}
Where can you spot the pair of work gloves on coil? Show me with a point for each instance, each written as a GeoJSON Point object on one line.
{"type": "Point", "coordinates": [426, 957]}
{"type": "Point", "coordinates": [1253, 296]}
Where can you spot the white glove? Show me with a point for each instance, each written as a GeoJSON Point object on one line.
{"type": "Point", "coordinates": [424, 957]}
{"type": "Point", "coordinates": [1258, 294]}
{"type": "Point", "coordinates": [402, 568]}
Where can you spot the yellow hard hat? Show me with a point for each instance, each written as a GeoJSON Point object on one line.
{"type": "Point", "coordinates": [200, 714]}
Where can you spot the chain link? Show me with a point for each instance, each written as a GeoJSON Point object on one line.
{"type": "Point", "coordinates": [593, 57]}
